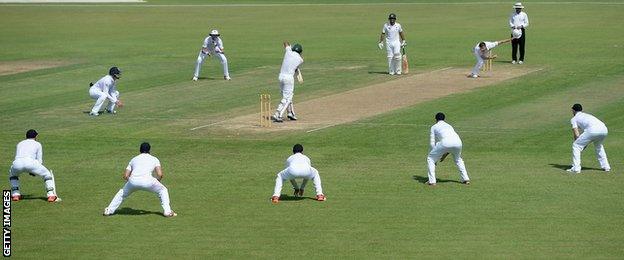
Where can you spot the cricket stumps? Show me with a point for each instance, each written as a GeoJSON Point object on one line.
{"type": "Point", "coordinates": [265, 110]}
{"type": "Point", "coordinates": [487, 66]}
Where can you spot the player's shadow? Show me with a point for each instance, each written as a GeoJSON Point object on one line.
{"type": "Point", "coordinates": [131, 211]}
{"type": "Point", "coordinates": [377, 72]}
{"type": "Point", "coordinates": [425, 179]}
{"type": "Point", "coordinates": [567, 166]}
{"type": "Point", "coordinates": [284, 197]}
{"type": "Point", "coordinates": [30, 197]}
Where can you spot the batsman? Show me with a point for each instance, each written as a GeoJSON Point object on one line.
{"type": "Point", "coordinates": [395, 40]}
{"type": "Point", "coordinates": [290, 66]}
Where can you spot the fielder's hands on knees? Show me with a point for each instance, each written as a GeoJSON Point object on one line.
{"type": "Point", "coordinates": [119, 103]}
{"type": "Point", "coordinates": [380, 45]}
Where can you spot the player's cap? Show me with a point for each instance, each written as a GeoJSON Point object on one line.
{"type": "Point", "coordinates": [214, 33]}
{"type": "Point", "coordinates": [516, 33]}
{"type": "Point", "coordinates": [518, 5]}
{"type": "Point", "coordinates": [297, 48]}
{"type": "Point", "coordinates": [392, 16]}
{"type": "Point", "coordinates": [115, 72]}
{"type": "Point", "coordinates": [31, 134]}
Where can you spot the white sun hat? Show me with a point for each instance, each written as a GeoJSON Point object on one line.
{"type": "Point", "coordinates": [518, 5]}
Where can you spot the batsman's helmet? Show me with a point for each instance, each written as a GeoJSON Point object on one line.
{"type": "Point", "coordinates": [297, 48]}
{"type": "Point", "coordinates": [115, 72]}
{"type": "Point", "coordinates": [214, 33]}
{"type": "Point", "coordinates": [392, 16]}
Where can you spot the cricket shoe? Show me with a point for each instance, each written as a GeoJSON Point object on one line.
{"type": "Point", "coordinates": [170, 214]}
{"type": "Point", "coordinates": [431, 184]}
{"type": "Point", "coordinates": [572, 171]}
{"type": "Point", "coordinates": [391, 72]}
{"type": "Point", "coordinates": [320, 197]}
{"type": "Point", "coordinates": [275, 199]}
{"type": "Point", "coordinates": [227, 78]}
{"type": "Point", "coordinates": [466, 182]}
{"type": "Point", "coordinates": [277, 119]}
{"type": "Point", "coordinates": [194, 78]}
{"type": "Point", "coordinates": [53, 198]}
{"type": "Point", "coordinates": [292, 117]}
{"type": "Point", "coordinates": [16, 197]}
{"type": "Point", "coordinates": [513, 62]}
{"type": "Point", "coordinates": [520, 62]}
{"type": "Point", "coordinates": [94, 114]}
{"type": "Point", "coordinates": [474, 76]}
{"type": "Point", "coordinates": [108, 212]}
{"type": "Point", "coordinates": [606, 169]}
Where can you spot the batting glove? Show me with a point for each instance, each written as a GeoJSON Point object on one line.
{"type": "Point", "coordinates": [403, 44]}
{"type": "Point", "coordinates": [380, 45]}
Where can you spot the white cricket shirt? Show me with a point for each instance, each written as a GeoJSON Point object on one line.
{"type": "Point", "coordinates": [587, 122]}
{"type": "Point", "coordinates": [392, 32]}
{"type": "Point", "coordinates": [29, 148]}
{"type": "Point", "coordinates": [298, 160]}
{"type": "Point", "coordinates": [142, 166]}
{"type": "Point", "coordinates": [213, 45]}
{"type": "Point", "coordinates": [442, 131]}
{"type": "Point", "coordinates": [291, 62]}
{"type": "Point", "coordinates": [107, 85]}
{"type": "Point", "coordinates": [521, 19]}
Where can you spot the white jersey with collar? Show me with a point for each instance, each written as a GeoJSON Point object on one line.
{"type": "Point", "coordinates": [292, 61]}
{"type": "Point", "coordinates": [392, 32]}
{"type": "Point", "coordinates": [29, 148]}
{"type": "Point", "coordinates": [587, 122]}
{"type": "Point", "coordinates": [213, 45]}
{"type": "Point", "coordinates": [107, 85]}
{"type": "Point", "coordinates": [442, 131]}
{"type": "Point", "coordinates": [142, 166]}
{"type": "Point", "coordinates": [518, 19]}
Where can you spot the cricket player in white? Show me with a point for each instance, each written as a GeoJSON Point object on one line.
{"type": "Point", "coordinates": [594, 131]}
{"type": "Point", "coordinates": [29, 158]}
{"type": "Point", "coordinates": [290, 66]}
{"type": "Point", "coordinates": [444, 140]}
{"type": "Point", "coordinates": [395, 39]}
{"type": "Point", "coordinates": [298, 166]}
{"type": "Point", "coordinates": [213, 46]}
{"type": "Point", "coordinates": [104, 89]}
{"type": "Point", "coordinates": [481, 53]}
{"type": "Point", "coordinates": [138, 175]}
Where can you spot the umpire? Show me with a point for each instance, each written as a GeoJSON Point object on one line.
{"type": "Point", "coordinates": [518, 20]}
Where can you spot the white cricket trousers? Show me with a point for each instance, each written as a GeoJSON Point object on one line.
{"type": "Point", "coordinates": [477, 68]}
{"type": "Point", "coordinates": [218, 55]}
{"type": "Point", "coordinates": [287, 86]}
{"type": "Point", "coordinates": [298, 171]}
{"type": "Point", "coordinates": [446, 146]}
{"type": "Point", "coordinates": [147, 184]}
{"type": "Point", "coordinates": [21, 165]}
{"type": "Point", "coordinates": [596, 136]}
{"type": "Point", "coordinates": [100, 96]}
{"type": "Point", "coordinates": [393, 52]}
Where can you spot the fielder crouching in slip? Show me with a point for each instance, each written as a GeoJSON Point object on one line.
{"type": "Point", "coordinates": [445, 140]}
{"type": "Point", "coordinates": [298, 166]}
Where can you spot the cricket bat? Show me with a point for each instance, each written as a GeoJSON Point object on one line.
{"type": "Point", "coordinates": [404, 63]}
{"type": "Point", "coordinates": [299, 76]}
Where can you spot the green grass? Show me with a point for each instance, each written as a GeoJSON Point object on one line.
{"type": "Point", "coordinates": [516, 134]}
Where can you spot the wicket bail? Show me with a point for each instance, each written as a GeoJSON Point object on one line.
{"type": "Point", "coordinates": [265, 110]}
{"type": "Point", "coordinates": [488, 62]}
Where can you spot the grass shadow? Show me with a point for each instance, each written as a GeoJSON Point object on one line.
{"type": "Point", "coordinates": [284, 197]}
{"type": "Point", "coordinates": [131, 211]}
{"type": "Point", "coordinates": [425, 179]}
{"type": "Point", "coordinates": [567, 166]}
{"type": "Point", "coordinates": [30, 197]}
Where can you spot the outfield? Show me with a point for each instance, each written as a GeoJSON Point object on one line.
{"type": "Point", "coordinates": [516, 134]}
